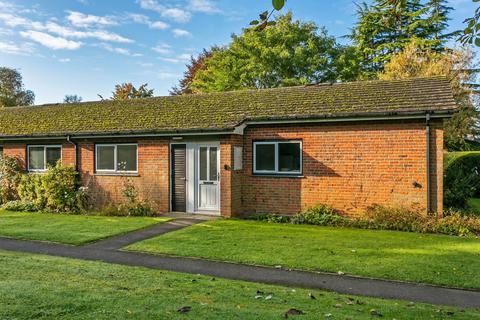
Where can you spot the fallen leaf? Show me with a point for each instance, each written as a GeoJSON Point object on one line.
{"type": "Point", "coordinates": [184, 309]}
{"type": "Point", "coordinates": [312, 296]}
{"type": "Point", "coordinates": [328, 315]}
{"type": "Point", "coordinates": [340, 273]}
{"type": "Point", "coordinates": [258, 296]}
{"type": "Point", "coordinates": [269, 297]}
{"type": "Point", "coordinates": [293, 312]}
{"type": "Point", "coordinates": [338, 305]}
{"type": "Point", "coordinates": [375, 313]}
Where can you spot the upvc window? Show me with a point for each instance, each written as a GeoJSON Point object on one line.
{"type": "Point", "coordinates": [116, 158]}
{"type": "Point", "coordinates": [277, 157]}
{"type": "Point", "coordinates": [40, 157]}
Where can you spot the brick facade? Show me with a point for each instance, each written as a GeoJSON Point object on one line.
{"type": "Point", "coordinates": [346, 165]}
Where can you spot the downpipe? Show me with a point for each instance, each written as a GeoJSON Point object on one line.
{"type": "Point", "coordinates": [427, 160]}
{"type": "Point", "coordinates": [75, 146]}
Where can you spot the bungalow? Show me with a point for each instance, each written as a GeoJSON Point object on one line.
{"type": "Point", "coordinates": [348, 145]}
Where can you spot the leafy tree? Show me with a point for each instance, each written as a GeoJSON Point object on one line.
{"type": "Point", "coordinates": [418, 61]}
{"type": "Point", "coordinates": [289, 53]}
{"type": "Point", "coordinates": [196, 63]}
{"type": "Point", "coordinates": [385, 27]}
{"type": "Point", "coordinates": [264, 20]}
{"type": "Point", "coordinates": [126, 91]}
{"type": "Point", "coordinates": [471, 33]}
{"type": "Point", "coordinates": [12, 91]}
{"type": "Point", "coordinates": [72, 98]}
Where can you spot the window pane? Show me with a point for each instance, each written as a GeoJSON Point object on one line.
{"type": "Point", "coordinates": [265, 157]}
{"type": "Point", "coordinates": [203, 163]}
{"type": "Point", "coordinates": [105, 158]}
{"type": "Point", "coordinates": [53, 155]}
{"type": "Point", "coordinates": [289, 157]}
{"type": "Point", "coordinates": [36, 160]}
{"type": "Point", "coordinates": [127, 158]}
{"type": "Point", "coordinates": [213, 164]}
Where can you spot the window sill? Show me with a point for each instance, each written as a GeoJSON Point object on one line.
{"type": "Point", "coordinates": [276, 175]}
{"type": "Point", "coordinates": [120, 174]}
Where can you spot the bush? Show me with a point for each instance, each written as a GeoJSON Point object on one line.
{"type": "Point", "coordinates": [18, 205]}
{"type": "Point", "coordinates": [10, 173]}
{"type": "Point", "coordinates": [320, 215]}
{"type": "Point", "coordinates": [385, 218]}
{"type": "Point", "coordinates": [57, 190]}
{"type": "Point", "coordinates": [462, 178]}
{"type": "Point", "coordinates": [273, 218]}
{"type": "Point", "coordinates": [30, 189]}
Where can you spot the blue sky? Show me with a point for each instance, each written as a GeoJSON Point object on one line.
{"type": "Point", "coordinates": [85, 47]}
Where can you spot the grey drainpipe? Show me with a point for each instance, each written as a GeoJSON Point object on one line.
{"type": "Point", "coordinates": [427, 137]}
{"type": "Point", "coordinates": [75, 146]}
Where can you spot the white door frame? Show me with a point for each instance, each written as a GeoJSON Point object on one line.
{"type": "Point", "coordinates": [192, 173]}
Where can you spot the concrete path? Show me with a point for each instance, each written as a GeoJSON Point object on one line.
{"type": "Point", "coordinates": [106, 251]}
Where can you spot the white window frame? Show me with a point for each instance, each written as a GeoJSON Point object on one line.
{"type": "Point", "coordinates": [115, 155]}
{"type": "Point", "coordinates": [276, 156]}
{"type": "Point", "coordinates": [45, 147]}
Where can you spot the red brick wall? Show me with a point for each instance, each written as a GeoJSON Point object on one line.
{"type": "Point", "coordinates": [230, 179]}
{"type": "Point", "coordinates": [349, 167]}
{"type": "Point", "coordinates": [152, 181]}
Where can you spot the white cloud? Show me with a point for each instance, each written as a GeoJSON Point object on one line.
{"type": "Point", "coordinates": [62, 31]}
{"type": "Point", "coordinates": [167, 75]}
{"type": "Point", "coordinates": [140, 18]}
{"type": "Point", "coordinates": [63, 60]}
{"type": "Point", "coordinates": [181, 33]}
{"type": "Point", "coordinates": [162, 49]}
{"type": "Point", "coordinates": [122, 51]}
{"type": "Point", "coordinates": [172, 13]}
{"type": "Point", "coordinates": [178, 59]}
{"type": "Point", "coordinates": [79, 19]}
{"type": "Point", "coordinates": [49, 41]}
{"type": "Point", "coordinates": [159, 25]}
{"type": "Point", "coordinates": [12, 48]}
{"type": "Point", "coordinates": [206, 6]}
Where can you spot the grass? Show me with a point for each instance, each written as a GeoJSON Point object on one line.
{"type": "Point", "coordinates": [68, 229]}
{"type": "Point", "coordinates": [474, 204]}
{"type": "Point", "coordinates": [43, 287]}
{"type": "Point", "coordinates": [424, 258]}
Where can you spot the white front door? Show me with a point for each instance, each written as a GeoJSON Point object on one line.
{"type": "Point", "coordinates": [208, 169]}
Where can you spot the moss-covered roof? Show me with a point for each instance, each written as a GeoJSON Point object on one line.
{"type": "Point", "coordinates": [225, 111]}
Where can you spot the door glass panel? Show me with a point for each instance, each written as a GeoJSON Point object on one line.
{"type": "Point", "coordinates": [53, 155]}
{"type": "Point", "coordinates": [213, 164]}
{"type": "Point", "coordinates": [203, 163]}
{"type": "Point", "coordinates": [36, 160]}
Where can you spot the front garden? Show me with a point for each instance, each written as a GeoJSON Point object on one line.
{"type": "Point", "coordinates": [68, 229]}
{"type": "Point", "coordinates": [425, 258]}
{"type": "Point", "coordinates": [43, 287]}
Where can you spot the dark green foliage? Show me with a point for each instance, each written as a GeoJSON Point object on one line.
{"type": "Point", "coordinates": [287, 54]}
{"type": "Point", "coordinates": [320, 215]}
{"type": "Point", "coordinates": [12, 91]}
{"type": "Point", "coordinates": [386, 27]}
{"type": "Point", "coordinates": [462, 178]}
{"type": "Point", "coordinates": [9, 179]}
{"type": "Point", "coordinates": [72, 98]}
{"type": "Point", "coordinates": [225, 110]}
{"type": "Point", "coordinates": [471, 33]}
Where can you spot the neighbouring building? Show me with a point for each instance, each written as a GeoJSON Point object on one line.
{"type": "Point", "coordinates": [347, 145]}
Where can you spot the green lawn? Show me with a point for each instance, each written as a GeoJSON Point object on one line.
{"type": "Point", "coordinates": [42, 287]}
{"type": "Point", "coordinates": [435, 259]}
{"type": "Point", "coordinates": [69, 229]}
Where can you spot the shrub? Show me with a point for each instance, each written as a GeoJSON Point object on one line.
{"type": "Point", "coordinates": [392, 218]}
{"type": "Point", "coordinates": [462, 178]}
{"type": "Point", "coordinates": [321, 215]}
{"type": "Point", "coordinates": [273, 218]}
{"type": "Point", "coordinates": [57, 190]}
{"type": "Point", "coordinates": [10, 173]}
{"type": "Point", "coordinates": [30, 189]}
{"type": "Point", "coordinates": [17, 205]}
